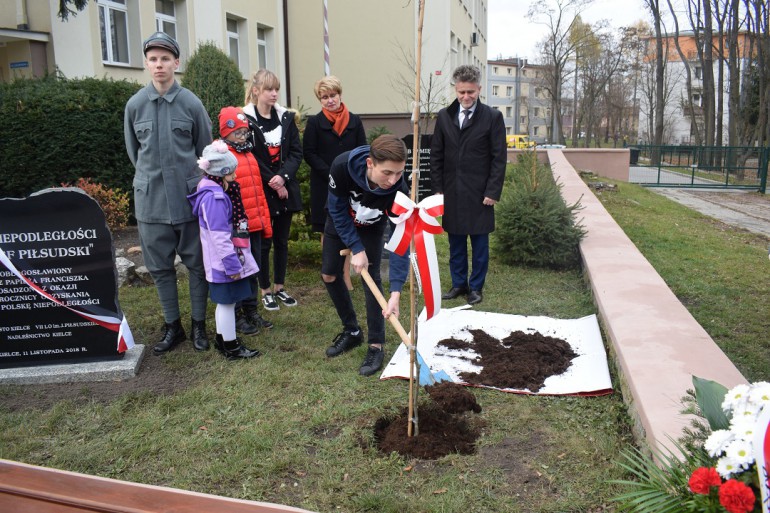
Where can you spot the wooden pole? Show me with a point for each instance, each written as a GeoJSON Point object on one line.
{"type": "Point", "coordinates": [412, 425]}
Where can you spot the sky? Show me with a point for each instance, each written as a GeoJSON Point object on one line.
{"type": "Point", "coordinates": [512, 34]}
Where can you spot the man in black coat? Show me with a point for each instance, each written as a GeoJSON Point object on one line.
{"type": "Point", "coordinates": [467, 165]}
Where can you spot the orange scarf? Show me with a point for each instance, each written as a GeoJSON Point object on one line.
{"type": "Point", "coordinates": [338, 119]}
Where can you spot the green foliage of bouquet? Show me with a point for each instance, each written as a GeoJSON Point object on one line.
{"type": "Point", "coordinates": [715, 468]}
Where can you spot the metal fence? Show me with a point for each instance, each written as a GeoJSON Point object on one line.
{"type": "Point", "coordinates": [724, 167]}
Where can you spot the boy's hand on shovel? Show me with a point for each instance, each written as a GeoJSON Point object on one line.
{"type": "Point", "coordinates": [389, 308]}
{"type": "Point", "coordinates": [359, 261]}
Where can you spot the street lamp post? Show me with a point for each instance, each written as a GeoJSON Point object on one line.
{"type": "Point", "coordinates": [520, 63]}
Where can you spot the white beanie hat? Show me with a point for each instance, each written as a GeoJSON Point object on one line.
{"type": "Point", "coordinates": [217, 159]}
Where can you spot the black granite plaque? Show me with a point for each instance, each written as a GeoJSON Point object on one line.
{"type": "Point", "coordinates": [423, 179]}
{"type": "Point", "coordinates": [58, 282]}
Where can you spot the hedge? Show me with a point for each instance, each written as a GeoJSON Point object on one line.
{"type": "Point", "coordinates": [55, 130]}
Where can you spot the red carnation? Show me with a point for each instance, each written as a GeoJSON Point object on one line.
{"type": "Point", "coordinates": [736, 497]}
{"type": "Point", "coordinates": [703, 479]}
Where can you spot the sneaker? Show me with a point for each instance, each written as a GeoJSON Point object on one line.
{"type": "Point", "coordinates": [372, 361]}
{"type": "Point", "coordinates": [344, 341]}
{"type": "Point", "coordinates": [269, 301]}
{"type": "Point", "coordinates": [286, 299]}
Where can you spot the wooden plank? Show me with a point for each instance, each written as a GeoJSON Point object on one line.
{"type": "Point", "coordinates": [33, 489]}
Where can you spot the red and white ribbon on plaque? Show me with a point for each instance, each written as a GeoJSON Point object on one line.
{"type": "Point", "coordinates": [421, 227]}
{"type": "Point", "coordinates": [762, 455]}
{"type": "Point", "coordinates": [125, 338]}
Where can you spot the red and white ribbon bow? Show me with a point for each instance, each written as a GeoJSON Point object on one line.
{"type": "Point", "coordinates": [125, 338]}
{"type": "Point", "coordinates": [421, 227]}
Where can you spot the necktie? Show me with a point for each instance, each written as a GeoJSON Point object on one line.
{"type": "Point", "coordinates": [466, 115]}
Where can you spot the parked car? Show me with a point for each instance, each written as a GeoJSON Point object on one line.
{"type": "Point", "coordinates": [520, 141]}
{"type": "Point", "coordinates": [550, 146]}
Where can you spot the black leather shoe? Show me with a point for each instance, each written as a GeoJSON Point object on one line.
{"type": "Point", "coordinates": [219, 343]}
{"type": "Point", "coordinates": [199, 338]}
{"type": "Point", "coordinates": [235, 350]}
{"type": "Point", "coordinates": [454, 292]}
{"type": "Point", "coordinates": [475, 297]}
{"type": "Point", "coordinates": [172, 336]}
{"type": "Point", "coordinates": [252, 315]}
{"type": "Point", "coordinates": [344, 341]}
{"type": "Point", "coordinates": [243, 324]}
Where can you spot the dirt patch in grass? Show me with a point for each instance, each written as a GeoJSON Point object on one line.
{"type": "Point", "coordinates": [445, 425]}
{"type": "Point", "coordinates": [442, 428]}
{"type": "Point", "coordinates": [155, 376]}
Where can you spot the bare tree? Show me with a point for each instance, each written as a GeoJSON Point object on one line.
{"type": "Point", "coordinates": [557, 49]}
{"type": "Point", "coordinates": [654, 7]}
{"type": "Point", "coordinates": [430, 87]}
{"type": "Point", "coordinates": [601, 63]}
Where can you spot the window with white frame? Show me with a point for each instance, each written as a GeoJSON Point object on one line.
{"type": "Point", "coordinates": [536, 112]}
{"type": "Point", "coordinates": [509, 91]}
{"type": "Point", "coordinates": [535, 130]}
{"type": "Point", "coordinates": [165, 17]}
{"type": "Point", "coordinates": [494, 70]}
{"type": "Point", "coordinates": [233, 40]}
{"type": "Point", "coordinates": [509, 112]}
{"type": "Point", "coordinates": [510, 71]}
{"type": "Point", "coordinates": [113, 30]}
{"type": "Point", "coordinates": [262, 37]}
{"type": "Point", "coordinates": [698, 72]}
{"type": "Point", "coordinates": [494, 90]}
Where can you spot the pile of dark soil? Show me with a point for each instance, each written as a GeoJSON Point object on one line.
{"type": "Point", "coordinates": [443, 426]}
{"type": "Point", "coordinates": [521, 360]}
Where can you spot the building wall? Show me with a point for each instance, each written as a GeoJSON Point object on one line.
{"type": "Point", "coordinates": [522, 101]}
{"type": "Point", "coordinates": [372, 50]}
{"type": "Point", "coordinates": [372, 46]}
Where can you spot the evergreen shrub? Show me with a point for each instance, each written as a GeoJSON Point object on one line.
{"type": "Point", "coordinates": [534, 226]}
{"type": "Point", "coordinates": [375, 132]}
{"type": "Point", "coordinates": [215, 79]}
{"type": "Point", "coordinates": [55, 130]}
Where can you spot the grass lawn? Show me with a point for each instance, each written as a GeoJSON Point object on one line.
{"type": "Point", "coordinates": [295, 428]}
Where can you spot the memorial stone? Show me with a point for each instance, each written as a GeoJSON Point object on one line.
{"type": "Point", "coordinates": [423, 182]}
{"type": "Point", "coordinates": [58, 282]}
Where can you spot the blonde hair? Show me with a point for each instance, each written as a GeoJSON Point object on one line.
{"type": "Point", "coordinates": [261, 79]}
{"type": "Point", "coordinates": [328, 84]}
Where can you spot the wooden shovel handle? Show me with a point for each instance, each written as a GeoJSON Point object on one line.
{"type": "Point", "coordinates": [382, 301]}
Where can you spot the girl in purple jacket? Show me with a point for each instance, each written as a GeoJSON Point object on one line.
{"type": "Point", "coordinates": [226, 255]}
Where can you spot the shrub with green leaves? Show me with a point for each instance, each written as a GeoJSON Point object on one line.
{"type": "Point", "coordinates": [114, 202]}
{"type": "Point", "coordinates": [54, 130]}
{"type": "Point", "coordinates": [534, 226]}
{"type": "Point", "coordinates": [215, 79]}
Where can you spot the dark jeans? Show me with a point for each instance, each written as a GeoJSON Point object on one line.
{"type": "Point", "coordinates": [281, 228]}
{"type": "Point", "coordinates": [255, 239]}
{"type": "Point", "coordinates": [458, 260]}
{"type": "Point", "coordinates": [333, 265]}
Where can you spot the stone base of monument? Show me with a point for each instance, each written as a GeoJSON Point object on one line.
{"type": "Point", "coordinates": [108, 370]}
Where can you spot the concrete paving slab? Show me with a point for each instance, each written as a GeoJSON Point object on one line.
{"type": "Point", "coordinates": [751, 216]}
{"type": "Point", "coordinates": [112, 370]}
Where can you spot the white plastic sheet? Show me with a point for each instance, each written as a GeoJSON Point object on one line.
{"type": "Point", "coordinates": [588, 374]}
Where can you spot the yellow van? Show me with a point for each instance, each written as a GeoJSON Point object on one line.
{"type": "Point", "coordinates": [520, 141]}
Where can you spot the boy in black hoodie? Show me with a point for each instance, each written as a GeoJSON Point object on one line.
{"type": "Point", "coordinates": [362, 186]}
